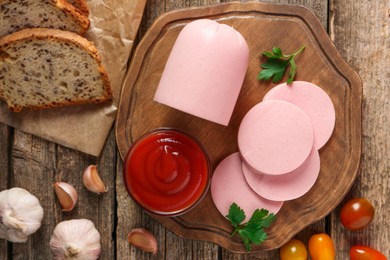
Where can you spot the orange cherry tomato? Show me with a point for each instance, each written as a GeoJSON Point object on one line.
{"type": "Point", "coordinates": [357, 214]}
{"type": "Point", "coordinates": [321, 247]}
{"type": "Point", "coordinates": [293, 250]}
{"type": "Point", "coordinates": [365, 253]}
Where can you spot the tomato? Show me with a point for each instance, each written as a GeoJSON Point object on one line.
{"type": "Point", "coordinates": [357, 214]}
{"type": "Point", "coordinates": [365, 253]}
{"type": "Point", "coordinates": [321, 247]}
{"type": "Point", "coordinates": [293, 250]}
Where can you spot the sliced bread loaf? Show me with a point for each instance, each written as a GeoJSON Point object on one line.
{"type": "Point", "coordinates": [41, 68]}
{"type": "Point", "coordinates": [58, 14]}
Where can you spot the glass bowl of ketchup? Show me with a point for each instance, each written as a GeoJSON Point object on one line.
{"type": "Point", "coordinates": [167, 171]}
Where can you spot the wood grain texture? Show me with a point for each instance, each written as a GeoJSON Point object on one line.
{"type": "Point", "coordinates": [360, 30]}
{"type": "Point", "coordinates": [319, 8]}
{"type": "Point", "coordinates": [138, 112]}
{"type": "Point", "coordinates": [37, 164]}
{"type": "Point", "coordinates": [5, 171]}
{"type": "Point", "coordinates": [33, 164]}
{"type": "Point", "coordinates": [97, 208]}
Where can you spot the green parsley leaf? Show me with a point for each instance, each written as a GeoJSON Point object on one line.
{"type": "Point", "coordinates": [253, 230]}
{"type": "Point", "coordinates": [256, 237]}
{"type": "Point", "coordinates": [245, 238]}
{"type": "Point", "coordinates": [262, 218]}
{"type": "Point", "coordinates": [273, 68]}
{"type": "Point", "coordinates": [236, 215]}
{"type": "Point", "coordinates": [277, 52]}
{"type": "Point", "coordinates": [277, 64]}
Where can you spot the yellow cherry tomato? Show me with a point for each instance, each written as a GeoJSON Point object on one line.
{"type": "Point", "coordinates": [321, 247]}
{"type": "Point", "coordinates": [293, 250]}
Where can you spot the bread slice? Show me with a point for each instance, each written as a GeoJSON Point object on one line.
{"type": "Point", "coordinates": [58, 14]}
{"type": "Point", "coordinates": [81, 5]}
{"type": "Point", "coordinates": [42, 68]}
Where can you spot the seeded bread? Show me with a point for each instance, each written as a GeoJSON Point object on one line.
{"type": "Point", "coordinates": [81, 5]}
{"type": "Point", "coordinates": [58, 14]}
{"type": "Point", "coordinates": [42, 68]}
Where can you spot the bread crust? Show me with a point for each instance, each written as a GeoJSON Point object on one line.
{"type": "Point", "coordinates": [81, 5]}
{"type": "Point", "coordinates": [61, 36]}
{"type": "Point", "coordinates": [76, 13]}
{"type": "Point", "coordinates": [79, 16]}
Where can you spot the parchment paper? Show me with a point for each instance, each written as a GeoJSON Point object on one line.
{"type": "Point", "coordinates": [114, 25]}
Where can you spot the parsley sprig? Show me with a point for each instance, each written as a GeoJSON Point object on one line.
{"type": "Point", "coordinates": [253, 230]}
{"type": "Point", "coordinates": [276, 65]}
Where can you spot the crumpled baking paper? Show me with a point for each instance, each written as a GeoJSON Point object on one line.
{"type": "Point", "coordinates": [114, 26]}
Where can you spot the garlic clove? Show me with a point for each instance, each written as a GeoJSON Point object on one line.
{"type": "Point", "coordinates": [66, 194]}
{"type": "Point", "coordinates": [143, 239]}
{"type": "Point", "coordinates": [92, 180]}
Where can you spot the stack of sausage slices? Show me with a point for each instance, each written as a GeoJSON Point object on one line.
{"type": "Point", "coordinates": [278, 141]}
{"type": "Point", "coordinates": [44, 59]}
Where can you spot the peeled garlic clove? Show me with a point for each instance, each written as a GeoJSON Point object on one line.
{"type": "Point", "coordinates": [143, 239]}
{"type": "Point", "coordinates": [92, 180]}
{"type": "Point", "coordinates": [75, 239]}
{"type": "Point", "coordinates": [66, 194]}
{"type": "Point", "coordinates": [20, 214]}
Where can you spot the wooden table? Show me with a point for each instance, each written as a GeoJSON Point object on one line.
{"type": "Point", "coordinates": [360, 31]}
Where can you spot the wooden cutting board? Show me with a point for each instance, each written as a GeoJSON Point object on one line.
{"type": "Point", "coordinates": [264, 26]}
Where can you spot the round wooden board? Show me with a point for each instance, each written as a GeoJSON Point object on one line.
{"type": "Point", "coordinates": [263, 25]}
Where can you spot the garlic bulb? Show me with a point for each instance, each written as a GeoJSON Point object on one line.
{"type": "Point", "coordinates": [20, 214]}
{"type": "Point", "coordinates": [75, 239]}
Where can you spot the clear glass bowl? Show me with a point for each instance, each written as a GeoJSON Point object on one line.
{"type": "Point", "coordinates": [167, 171]}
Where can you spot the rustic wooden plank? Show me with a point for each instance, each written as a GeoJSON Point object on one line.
{"type": "Point", "coordinates": [37, 164]}
{"type": "Point", "coordinates": [179, 248]}
{"type": "Point", "coordinates": [5, 145]}
{"type": "Point", "coordinates": [153, 9]}
{"type": "Point", "coordinates": [359, 30]}
{"type": "Point", "coordinates": [33, 164]}
{"type": "Point", "coordinates": [99, 208]}
{"type": "Point", "coordinates": [129, 214]}
{"type": "Point", "coordinates": [105, 219]}
{"type": "Point", "coordinates": [319, 8]}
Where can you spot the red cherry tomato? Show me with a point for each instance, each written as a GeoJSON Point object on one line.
{"type": "Point", "coordinates": [293, 250]}
{"type": "Point", "coordinates": [357, 213]}
{"type": "Point", "coordinates": [321, 247]}
{"type": "Point", "coordinates": [365, 253]}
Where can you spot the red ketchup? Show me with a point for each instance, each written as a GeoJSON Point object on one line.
{"type": "Point", "coordinates": [167, 172]}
